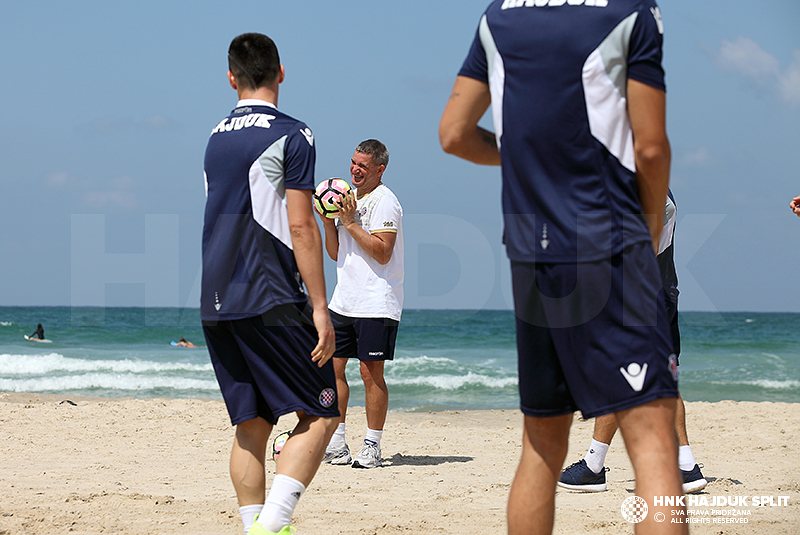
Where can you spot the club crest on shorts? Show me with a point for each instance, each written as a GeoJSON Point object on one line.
{"type": "Point", "coordinates": [327, 397]}
{"type": "Point", "coordinates": [673, 366]}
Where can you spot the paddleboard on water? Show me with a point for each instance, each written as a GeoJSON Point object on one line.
{"type": "Point", "coordinates": [45, 340]}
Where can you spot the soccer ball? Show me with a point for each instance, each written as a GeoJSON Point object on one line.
{"type": "Point", "coordinates": [327, 194]}
{"type": "Point", "coordinates": [277, 444]}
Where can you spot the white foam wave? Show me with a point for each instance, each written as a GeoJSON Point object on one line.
{"type": "Point", "coordinates": [406, 362]}
{"type": "Point", "coordinates": [454, 382]}
{"type": "Point", "coordinates": [105, 381]}
{"type": "Point", "coordinates": [776, 385]}
{"type": "Point", "coordinates": [6, 323]}
{"type": "Point", "coordinates": [764, 383]}
{"type": "Point", "coordinates": [54, 362]}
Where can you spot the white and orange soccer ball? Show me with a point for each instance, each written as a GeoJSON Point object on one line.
{"type": "Point", "coordinates": [277, 444]}
{"type": "Point", "coordinates": [327, 194]}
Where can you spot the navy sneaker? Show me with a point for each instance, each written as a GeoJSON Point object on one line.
{"type": "Point", "coordinates": [693, 480]}
{"type": "Point", "coordinates": [578, 476]}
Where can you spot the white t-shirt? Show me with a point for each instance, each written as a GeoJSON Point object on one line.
{"type": "Point", "coordinates": [364, 287]}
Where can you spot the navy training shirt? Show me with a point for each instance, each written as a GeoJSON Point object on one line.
{"type": "Point", "coordinates": [557, 72]}
{"type": "Point", "coordinates": [253, 156]}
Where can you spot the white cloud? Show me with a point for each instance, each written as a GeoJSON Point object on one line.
{"type": "Point", "coordinates": [789, 81]}
{"type": "Point", "coordinates": [58, 179]}
{"type": "Point", "coordinates": [699, 157]}
{"type": "Point", "coordinates": [746, 57]}
{"type": "Point", "coordinates": [156, 122]}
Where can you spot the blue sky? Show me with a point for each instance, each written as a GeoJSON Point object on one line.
{"type": "Point", "coordinates": [107, 106]}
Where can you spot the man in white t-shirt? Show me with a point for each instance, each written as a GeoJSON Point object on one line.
{"type": "Point", "coordinates": [366, 240]}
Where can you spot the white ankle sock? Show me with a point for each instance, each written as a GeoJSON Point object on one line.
{"type": "Point", "coordinates": [338, 440]}
{"type": "Point", "coordinates": [375, 436]}
{"type": "Point", "coordinates": [248, 513]}
{"type": "Point", "coordinates": [596, 456]}
{"type": "Point", "coordinates": [685, 458]}
{"type": "Point", "coordinates": [283, 496]}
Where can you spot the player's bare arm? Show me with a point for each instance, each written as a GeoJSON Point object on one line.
{"type": "Point", "coordinates": [459, 133]}
{"type": "Point", "coordinates": [379, 245]}
{"type": "Point", "coordinates": [307, 246]}
{"type": "Point", "coordinates": [647, 112]}
{"type": "Point", "coordinates": [331, 237]}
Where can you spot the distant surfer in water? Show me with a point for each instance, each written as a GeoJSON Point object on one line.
{"type": "Point", "coordinates": [184, 343]}
{"type": "Point", "coordinates": [38, 333]}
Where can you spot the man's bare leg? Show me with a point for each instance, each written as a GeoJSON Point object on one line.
{"type": "Point", "coordinates": [531, 503]}
{"type": "Point", "coordinates": [301, 455]}
{"type": "Point", "coordinates": [247, 461]}
{"type": "Point", "coordinates": [342, 388]}
{"type": "Point", "coordinates": [649, 434]}
{"type": "Point", "coordinates": [377, 394]}
{"type": "Point", "coordinates": [680, 423]}
{"type": "Point", "coordinates": [604, 428]}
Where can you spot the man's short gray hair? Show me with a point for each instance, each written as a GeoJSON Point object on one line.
{"type": "Point", "coordinates": [378, 151]}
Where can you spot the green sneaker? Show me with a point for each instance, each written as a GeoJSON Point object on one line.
{"type": "Point", "coordinates": [258, 529]}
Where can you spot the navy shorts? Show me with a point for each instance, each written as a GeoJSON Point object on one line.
{"type": "Point", "coordinates": [370, 339]}
{"type": "Point", "coordinates": [264, 368]}
{"type": "Point", "coordinates": [592, 336]}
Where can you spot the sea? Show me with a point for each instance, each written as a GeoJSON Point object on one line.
{"type": "Point", "coordinates": [445, 359]}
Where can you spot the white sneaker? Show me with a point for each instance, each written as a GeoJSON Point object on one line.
{"type": "Point", "coordinates": [369, 456]}
{"type": "Point", "coordinates": [337, 455]}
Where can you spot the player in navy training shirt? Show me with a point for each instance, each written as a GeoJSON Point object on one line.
{"type": "Point", "coordinates": [578, 101]}
{"type": "Point", "coordinates": [261, 243]}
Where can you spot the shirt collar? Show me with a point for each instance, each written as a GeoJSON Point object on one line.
{"type": "Point", "coordinates": [254, 102]}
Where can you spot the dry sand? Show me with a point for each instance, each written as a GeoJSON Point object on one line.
{"type": "Point", "coordinates": [160, 466]}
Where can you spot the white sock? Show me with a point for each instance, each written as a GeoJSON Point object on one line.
{"type": "Point", "coordinates": [248, 513]}
{"type": "Point", "coordinates": [375, 436]}
{"type": "Point", "coordinates": [283, 496]}
{"type": "Point", "coordinates": [685, 458]}
{"type": "Point", "coordinates": [338, 440]}
{"type": "Point", "coordinates": [596, 456]}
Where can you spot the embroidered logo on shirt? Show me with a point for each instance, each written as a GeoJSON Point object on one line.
{"type": "Point", "coordinates": [388, 224]}
{"type": "Point", "coordinates": [308, 134]}
{"type": "Point", "coordinates": [656, 11]}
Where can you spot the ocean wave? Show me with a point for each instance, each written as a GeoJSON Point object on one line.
{"type": "Point", "coordinates": [771, 384]}
{"type": "Point", "coordinates": [422, 360]}
{"type": "Point", "coordinates": [123, 382]}
{"type": "Point", "coordinates": [454, 382]}
{"type": "Point", "coordinates": [54, 362]}
{"type": "Point", "coordinates": [6, 323]}
{"type": "Point", "coordinates": [763, 383]}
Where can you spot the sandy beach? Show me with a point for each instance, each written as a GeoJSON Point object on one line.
{"type": "Point", "coordinates": [159, 466]}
